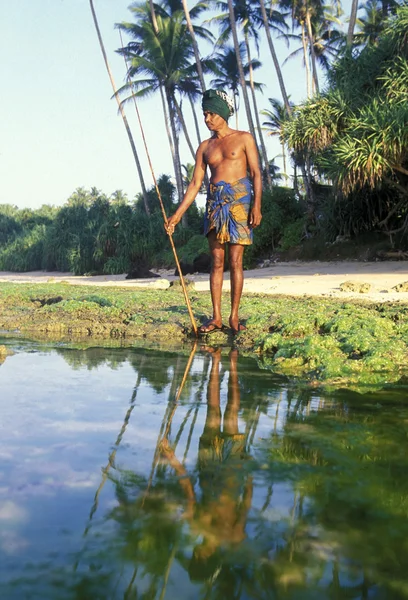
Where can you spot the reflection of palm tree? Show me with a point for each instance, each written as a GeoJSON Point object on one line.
{"type": "Point", "coordinates": [112, 456]}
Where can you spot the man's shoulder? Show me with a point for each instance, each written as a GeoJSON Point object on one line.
{"type": "Point", "coordinates": [242, 135]}
{"type": "Point", "coordinates": [204, 144]}
{"type": "Point", "coordinates": [245, 134]}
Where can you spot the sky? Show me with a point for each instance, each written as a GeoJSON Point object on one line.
{"type": "Point", "coordinates": [59, 126]}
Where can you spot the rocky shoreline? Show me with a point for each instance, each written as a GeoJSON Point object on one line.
{"type": "Point", "coordinates": [319, 340]}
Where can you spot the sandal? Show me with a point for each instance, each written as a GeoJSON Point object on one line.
{"type": "Point", "coordinates": [209, 327]}
{"type": "Point", "coordinates": [241, 327]}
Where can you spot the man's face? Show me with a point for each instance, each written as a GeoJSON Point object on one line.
{"type": "Point", "coordinates": [213, 121]}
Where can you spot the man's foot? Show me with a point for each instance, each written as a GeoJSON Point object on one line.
{"type": "Point", "coordinates": [236, 327]}
{"type": "Point", "coordinates": [211, 349]}
{"type": "Point", "coordinates": [209, 326]}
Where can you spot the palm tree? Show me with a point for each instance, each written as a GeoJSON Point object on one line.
{"type": "Point", "coordinates": [122, 112]}
{"type": "Point", "coordinates": [276, 117]}
{"type": "Point", "coordinates": [352, 22]}
{"type": "Point", "coordinates": [188, 169]}
{"type": "Point", "coordinates": [240, 67]}
{"type": "Point", "coordinates": [313, 9]}
{"type": "Point", "coordinates": [305, 173]}
{"type": "Point", "coordinates": [195, 45]}
{"type": "Point", "coordinates": [274, 57]}
{"type": "Point", "coordinates": [357, 132]}
{"type": "Point", "coordinates": [166, 59]}
{"type": "Point", "coordinates": [328, 41]}
{"type": "Point", "coordinates": [228, 73]}
{"type": "Point", "coordinates": [309, 16]}
{"type": "Point", "coordinates": [369, 26]}
{"type": "Point", "coordinates": [250, 20]}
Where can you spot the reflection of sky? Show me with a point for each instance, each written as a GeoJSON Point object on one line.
{"type": "Point", "coordinates": [57, 427]}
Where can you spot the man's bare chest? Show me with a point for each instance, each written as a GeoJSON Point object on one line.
{"type": "Point", "coordinates": [221, 150]}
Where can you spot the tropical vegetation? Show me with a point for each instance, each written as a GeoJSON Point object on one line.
{"type": "Point", "coordinates": [344, 149]}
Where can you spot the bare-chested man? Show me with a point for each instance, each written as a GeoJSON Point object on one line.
{"type": "Point", "coordinates": [231, 212]}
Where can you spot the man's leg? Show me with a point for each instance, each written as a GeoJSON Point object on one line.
{"type": "Point", "coordinates": [233, 396]}
{"type": "Point", "coordinates": [217, 251]}
{"type": "Point", "coordinates": [236, 255]}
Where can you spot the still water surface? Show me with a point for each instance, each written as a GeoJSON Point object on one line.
{"type": "Point", "coordinates": [133, 474]}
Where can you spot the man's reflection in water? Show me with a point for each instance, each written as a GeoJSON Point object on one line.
{"type": "Point", "coordinates": [219, 514]}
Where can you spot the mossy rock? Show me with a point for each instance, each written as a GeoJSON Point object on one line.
{"type": "Point", "coordinates": [96, 300]}
{"type": "Point", "coordinates": [401, 287]}
{"type": "Point", "coordinates": [189, 283]}
{"type": "Point", "coordinates": [355, 286]}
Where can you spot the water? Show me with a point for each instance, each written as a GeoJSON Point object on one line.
{"type": "Point", "coordinates": [244, 487]}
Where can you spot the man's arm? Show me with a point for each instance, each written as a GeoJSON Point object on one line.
{"type": "Point", "coordinates": [182, 474]}
{"type": "Point", "coordinates": [192, 190]}
{"type": "Point", "coordinates": [251, 150]}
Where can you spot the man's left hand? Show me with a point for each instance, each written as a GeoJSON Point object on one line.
{"type": "Point", "coordinates": [255, 217]}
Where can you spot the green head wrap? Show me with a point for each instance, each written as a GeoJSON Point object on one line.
{"type": "Point", "coordinates": [218, 102]}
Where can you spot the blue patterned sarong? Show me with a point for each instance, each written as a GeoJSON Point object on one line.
{"type": "Point", "coordinates": [227, 211]}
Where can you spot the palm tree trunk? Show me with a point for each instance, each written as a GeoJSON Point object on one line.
{"type": "Point", "coordinates": [168, 131]}
{"type": "Point", "coordinates": [197, 128]}
{"type": "Point", "coordinates": [196, 125]}
{"type": "Point", "coordinates": [306, 176]}
{"type": "Point", "coordinates": [240, 67]}
{"type": "Point", "coordinates": [312, 51]}
{"type": "Point", "coordinates": [258, 124]}
{"type": "Point", "coordinates": [121, 110]}
{"type": "Point", "coordinates": [184, 126]}
{"type": "Point", "coordinates": [177, 162]}
{"type": "Point", "coordinates": [275, 59]}
{"type": "Point", "coordinates": [195, 46]}
{"type": "Point", "coordinates": [352, 22]}
{"type": "Point", "coordinates": [153, 15]}
{"type": "Point", "coordinates": [311, 199]}
{"type": "Point", "coordinates": [284, 162]}
{"type": "Point", "coordinates": [306, 59]}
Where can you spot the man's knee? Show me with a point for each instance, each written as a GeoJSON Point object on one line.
{"type": "Point", "coordinates": [217, 261]}
{"type": "Point", "coordinates": [236, 258]}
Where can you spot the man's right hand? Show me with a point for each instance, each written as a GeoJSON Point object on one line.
{"type": "Point", "coordinates": [171, 225]}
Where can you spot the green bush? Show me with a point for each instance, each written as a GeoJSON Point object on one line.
{"type": "Point", "coordinates": [92, 233]}
{"type": "Point", "coordinates": [292, 234]}
{"type": "Point", "coordinates": [25, 252]}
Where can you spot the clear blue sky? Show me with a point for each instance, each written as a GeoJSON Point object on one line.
{"type": "Point", "coordinates": [59, 127]}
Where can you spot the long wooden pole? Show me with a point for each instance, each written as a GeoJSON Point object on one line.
{"type": "Point", "coordinates": [183, 285]}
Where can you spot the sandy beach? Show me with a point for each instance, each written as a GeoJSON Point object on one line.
{"type": "Point", "coordinates": [286, 278]}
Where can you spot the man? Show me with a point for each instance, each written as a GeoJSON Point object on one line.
{"type": "Point", "coordinates": [229, 216]}
{"type": "Point", "coordinates": [218, 514]}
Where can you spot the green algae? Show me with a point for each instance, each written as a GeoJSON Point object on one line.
{"type": "Point", "coordinates": [323, 341]}
{"type": "Point", "coordinates": [340, 343]}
